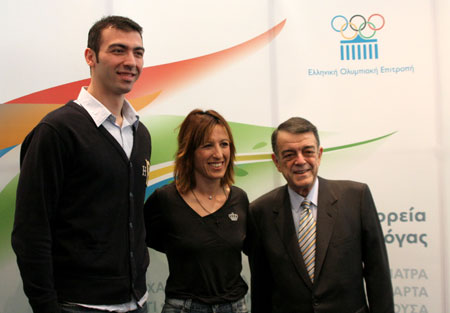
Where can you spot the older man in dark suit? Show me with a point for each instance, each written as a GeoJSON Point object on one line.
{"type": "Point", "coordinates": [316, 245]}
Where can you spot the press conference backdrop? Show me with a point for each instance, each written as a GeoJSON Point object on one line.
{"type": "Point", "coordinates": [372, 76]}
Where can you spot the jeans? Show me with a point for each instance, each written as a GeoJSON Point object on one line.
{"type": "Point", "coordinates": [192, 306]}
{"type": "Point", "coordinates": [72, 308]}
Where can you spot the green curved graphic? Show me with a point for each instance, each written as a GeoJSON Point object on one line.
{"type": "Point", "coordinates": [254, 170]}
{"type": "Point", "coordinates": [7, 205]}
{"type": "Point", "coordinates": [357, 143]}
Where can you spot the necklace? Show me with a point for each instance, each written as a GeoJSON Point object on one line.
{"type": "Point", "coordinates": [209, 197]}
{"type": "Point", "coordinates": [198, 201]}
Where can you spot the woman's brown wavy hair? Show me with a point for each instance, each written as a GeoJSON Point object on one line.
{"type": "Point", "coordinates": [195, 131]}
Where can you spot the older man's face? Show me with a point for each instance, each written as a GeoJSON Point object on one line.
{"type": "Point", "coordinates": [298, 159]}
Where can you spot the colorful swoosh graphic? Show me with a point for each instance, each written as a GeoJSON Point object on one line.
{"type": "Point", "coordinates": [19, 116]}
{"type": "Point", "coordinates": [253, 164]}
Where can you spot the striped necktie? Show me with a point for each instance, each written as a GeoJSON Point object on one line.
{"type": "Point", "coordinates": [307, 237]}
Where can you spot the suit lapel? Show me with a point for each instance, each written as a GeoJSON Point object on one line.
{"type": "Point", "coordinates": [286, 229]}
{"type": "Point", "coordinates": [326, 217]}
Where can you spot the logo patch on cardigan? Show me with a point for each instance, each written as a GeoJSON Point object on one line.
{"type": "Point", "coordinates": [146, 170]}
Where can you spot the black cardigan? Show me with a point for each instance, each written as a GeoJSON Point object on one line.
{"type": "Point", "coordinates": [78, 232]}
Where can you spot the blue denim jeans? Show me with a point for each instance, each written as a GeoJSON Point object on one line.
{"type": "Point", "coordinates": [72, 308]}
{"type": "Point", "coordinates": [191, 306]}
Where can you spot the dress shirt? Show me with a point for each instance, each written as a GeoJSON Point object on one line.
{"type": "Point", "coordinates": [296, 201]}
{"type": "Point", "coordinates": [102, 116]}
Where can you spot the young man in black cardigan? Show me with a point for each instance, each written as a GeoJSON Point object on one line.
{"type": "Point", "coordinates": [78, 230]}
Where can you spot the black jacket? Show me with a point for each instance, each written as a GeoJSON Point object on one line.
{"type": "Point", "coordinates": [351, 263]}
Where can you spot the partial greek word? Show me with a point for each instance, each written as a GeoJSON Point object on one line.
{"type": "Point", "coordinates": [408, 273]}
{"type": "Point", "coordinates": [410, 308]}
{"type": "Point", "coordinates": [410, 291]}
{"type": "Point", "coordinates": [401, 239]}
{"type": "Point", "coordinates": [312, 72]}
{"type": "Point", "coordinates": [361, 71]}
{"type": "Point", "coordinates": [406, 216]}
{"type": "Point", "coordinates": [155, 287]}
{"type": "Point", "coordinates": [396, 70]}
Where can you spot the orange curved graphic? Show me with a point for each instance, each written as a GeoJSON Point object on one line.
{"type": "Point", "coordinates": [19, 116]}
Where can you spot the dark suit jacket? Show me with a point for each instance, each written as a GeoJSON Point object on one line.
{"type": "Point", "coordinates": [350, 250]}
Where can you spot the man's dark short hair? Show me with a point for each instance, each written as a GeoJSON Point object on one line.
{"type": "Point", "coordinates": [114, 21]}
{"type": "Point", "coordinates": [294, 125]}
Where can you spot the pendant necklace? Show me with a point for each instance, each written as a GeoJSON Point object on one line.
{"type": "Point", "coordinates": [198, 201]}
{"type": "Point", "coordinates": [209, 197]}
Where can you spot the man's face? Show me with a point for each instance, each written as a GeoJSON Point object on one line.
{"type": "Point", "coordinates": [298, 159]}
{"type": "Point", "coordinates": [119, 62]}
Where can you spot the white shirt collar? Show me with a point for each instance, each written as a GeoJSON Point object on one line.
{"type": "Point", "coordinates": [100, 113]}
{"type": "Point", "coordinates": [296, 199]}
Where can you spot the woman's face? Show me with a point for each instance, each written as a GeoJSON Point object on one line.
{"type": "Point", "coordinates": [213, 156]}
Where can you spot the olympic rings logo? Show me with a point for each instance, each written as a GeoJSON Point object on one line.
{"type": "Point", "coordinates": [374, 23]}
